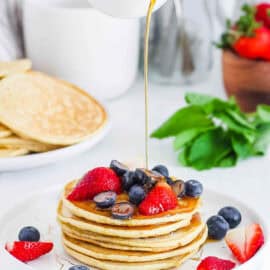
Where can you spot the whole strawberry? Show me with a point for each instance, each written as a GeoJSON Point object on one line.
{"type": "Point", "coordinates": [160, 199]}
{"type": "Point", "coordinates": [28, 251]}
{"type": "Point", "coordinates": [247, 37]}
{"type": "Point", "coordinates": [256, 46]}
{"type": "Point", "coordinates": [214, 263]}
{"type": "Point", "coordinates": [98, 180]}
{"type": "Point", "coordinates": [263, 14]}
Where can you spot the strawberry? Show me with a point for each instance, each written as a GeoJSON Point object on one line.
{"type": "Point", "coordinates": [256, 46]}
{"type": "Point", "coordinates": [98, 180]}
{"type": "Point", "coordinates": [245, 242]}
{"type": "Point", "coordinates": [263, 14]}
{"type": "Point", "coordinates": [28, 251]}
{"type": "Point", "coordinates": [247, 37]}
{"type": "Point", "coordinates": [161, 198]}
{"type": "Point", "coordinates": [214, 263]}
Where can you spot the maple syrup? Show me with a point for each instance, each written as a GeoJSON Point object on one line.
{"type": "Point", "coordinates": [146, 80]}
{"type": "Point", "coordinates": [185, 205]}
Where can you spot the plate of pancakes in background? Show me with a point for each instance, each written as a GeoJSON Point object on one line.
{"type": "Point", "coordinates": [44, 119]}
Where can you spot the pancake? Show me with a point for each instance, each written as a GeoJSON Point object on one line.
{"type": "Point", "coordinates": [102, 253]}
{"type": "Point", "coordinates": [4, 152]}
{"type": "Point", "coordinates": [4, 132]}
{"type": "Point", "coordinates": [64, 216]}
{"type": "Point", "coordinates": [173, 240]}
{"type": "Point", "coordinates": [88, 210]}
{"type": "Point", "coordinates": [14, 67]}
{"type": "Point", "coordinates": [109, 265]}
{"type": "Point", "coordinates": [30, 145]}
{"type": "Point", "coordinates": [47, 110]}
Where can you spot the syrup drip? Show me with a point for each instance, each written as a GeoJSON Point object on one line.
{"type": "Point", "coordinates": [146, 81]}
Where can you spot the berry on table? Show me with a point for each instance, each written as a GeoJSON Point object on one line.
{"type": "Point", "coordinates": [217, 227]}
{"type": "Point", "coordinates": [231, 215]}
{"type": "Point", "coordinates": [30, 234]}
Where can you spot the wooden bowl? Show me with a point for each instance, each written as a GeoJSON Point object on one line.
{"type": "Point", "coordinates": [247, 80]}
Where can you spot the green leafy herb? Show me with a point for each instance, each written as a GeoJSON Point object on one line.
{"type": "Point", "coordinates": [211, 132]}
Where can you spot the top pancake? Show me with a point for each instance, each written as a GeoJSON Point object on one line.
{"type": "Point", "coordinates": [186, 208]}
{"type": "Point", "coordinates": [14, 67]}
{"type": "Point", "coordinates": [51, 111]}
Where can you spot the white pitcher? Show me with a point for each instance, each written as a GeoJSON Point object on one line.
{"type": "Point", "coordinates": [125, 8]}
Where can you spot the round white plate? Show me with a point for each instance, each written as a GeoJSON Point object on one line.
{"type": "Point", "coordinates": [39, 210]}
{"type": "Point", "coordinates": [40, 159]}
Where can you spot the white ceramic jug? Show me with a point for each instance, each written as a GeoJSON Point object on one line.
{"type": "Point", "coordinates": [125, 8]}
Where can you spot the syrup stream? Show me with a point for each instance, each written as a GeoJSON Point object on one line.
{"type": "Point", "coordinates": [146, 81]}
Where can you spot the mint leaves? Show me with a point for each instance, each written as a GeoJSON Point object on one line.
{"type": "Point", "coordinates": [210, 132]}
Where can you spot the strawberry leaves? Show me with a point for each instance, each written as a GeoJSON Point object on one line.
{"type": "Point", "coordinates": [210, 132]}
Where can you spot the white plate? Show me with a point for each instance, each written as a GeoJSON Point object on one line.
{"type": "Point", "coordinates": [39, 210]}
{"type": "Point", "coordinates": [40, 159]}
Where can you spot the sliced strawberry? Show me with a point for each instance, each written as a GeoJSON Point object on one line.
{"type": "Point", "coordinates": [161, 198]}
{"type": "Point", "coordinates": [214, 263]}
{"type": "Point", "coordinates": [236, 241]}
{"type": "Point", "coordinates": [28, 251]}
{"type": "Point", "coordinates": [98, 180]}
{"type": "Point", "coordinates": [254, 239]}
{"type": "Point", "coordinates": [244, 242]}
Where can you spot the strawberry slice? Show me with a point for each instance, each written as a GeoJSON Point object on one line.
{"type": "Point", "coordinates": [98, 180]}
{"type": "Point", "coordinates": [28, 251]}
{"type": "Point", "coordinates": [254, 239]}
{"type": "Point", "coordinates": [244, 242]}
{"type": "Point", "coordinates": [161, 198]}
{"type": "Point", "coordinates": [214, 263]}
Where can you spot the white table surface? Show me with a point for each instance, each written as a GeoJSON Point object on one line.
{"type": "Point", "coordinates": [249, 181]}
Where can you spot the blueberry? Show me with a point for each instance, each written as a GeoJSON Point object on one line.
{"type": "Point", "coordinates": [217, 227]}
{"type": "Point", "coordinates": [78, 267]}
{"type": "Point", "coordinates": [30, 234]}
{"type": "Point", "coordinates": [169, 181]}
{"type": "Point", "coordinates": [193, 189]}
{"type": "Point", "coordinates": [162, 170]}
{"type": "Point", "coordinates": [136, 194]}
{"type": "Point", "coordinates": [128, 180]}
{"type": "Point", "coordinates": [105, 199]}
{"type": "Point", "coordinates": [141, 178]}
{"type": "Point", "coordinates": [231, 215]}
{"type": "Point", "coordinates": [178, 187]}
{"type": "Point", "coordinates": [122, 210]}
{"type": "Point", "coordinates": [119, 168]}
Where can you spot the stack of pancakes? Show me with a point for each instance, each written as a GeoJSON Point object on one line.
{"type": "Point", "coordinates": [161, 241]}
{"type": "Point", "coordinates": [39, 113]}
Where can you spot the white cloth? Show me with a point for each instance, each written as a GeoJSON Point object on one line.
{"type": "Point", "coordinates": [11, 44]}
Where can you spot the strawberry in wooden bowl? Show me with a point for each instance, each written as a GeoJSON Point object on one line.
{"type": "Point", "coordinates": [246, 56]}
